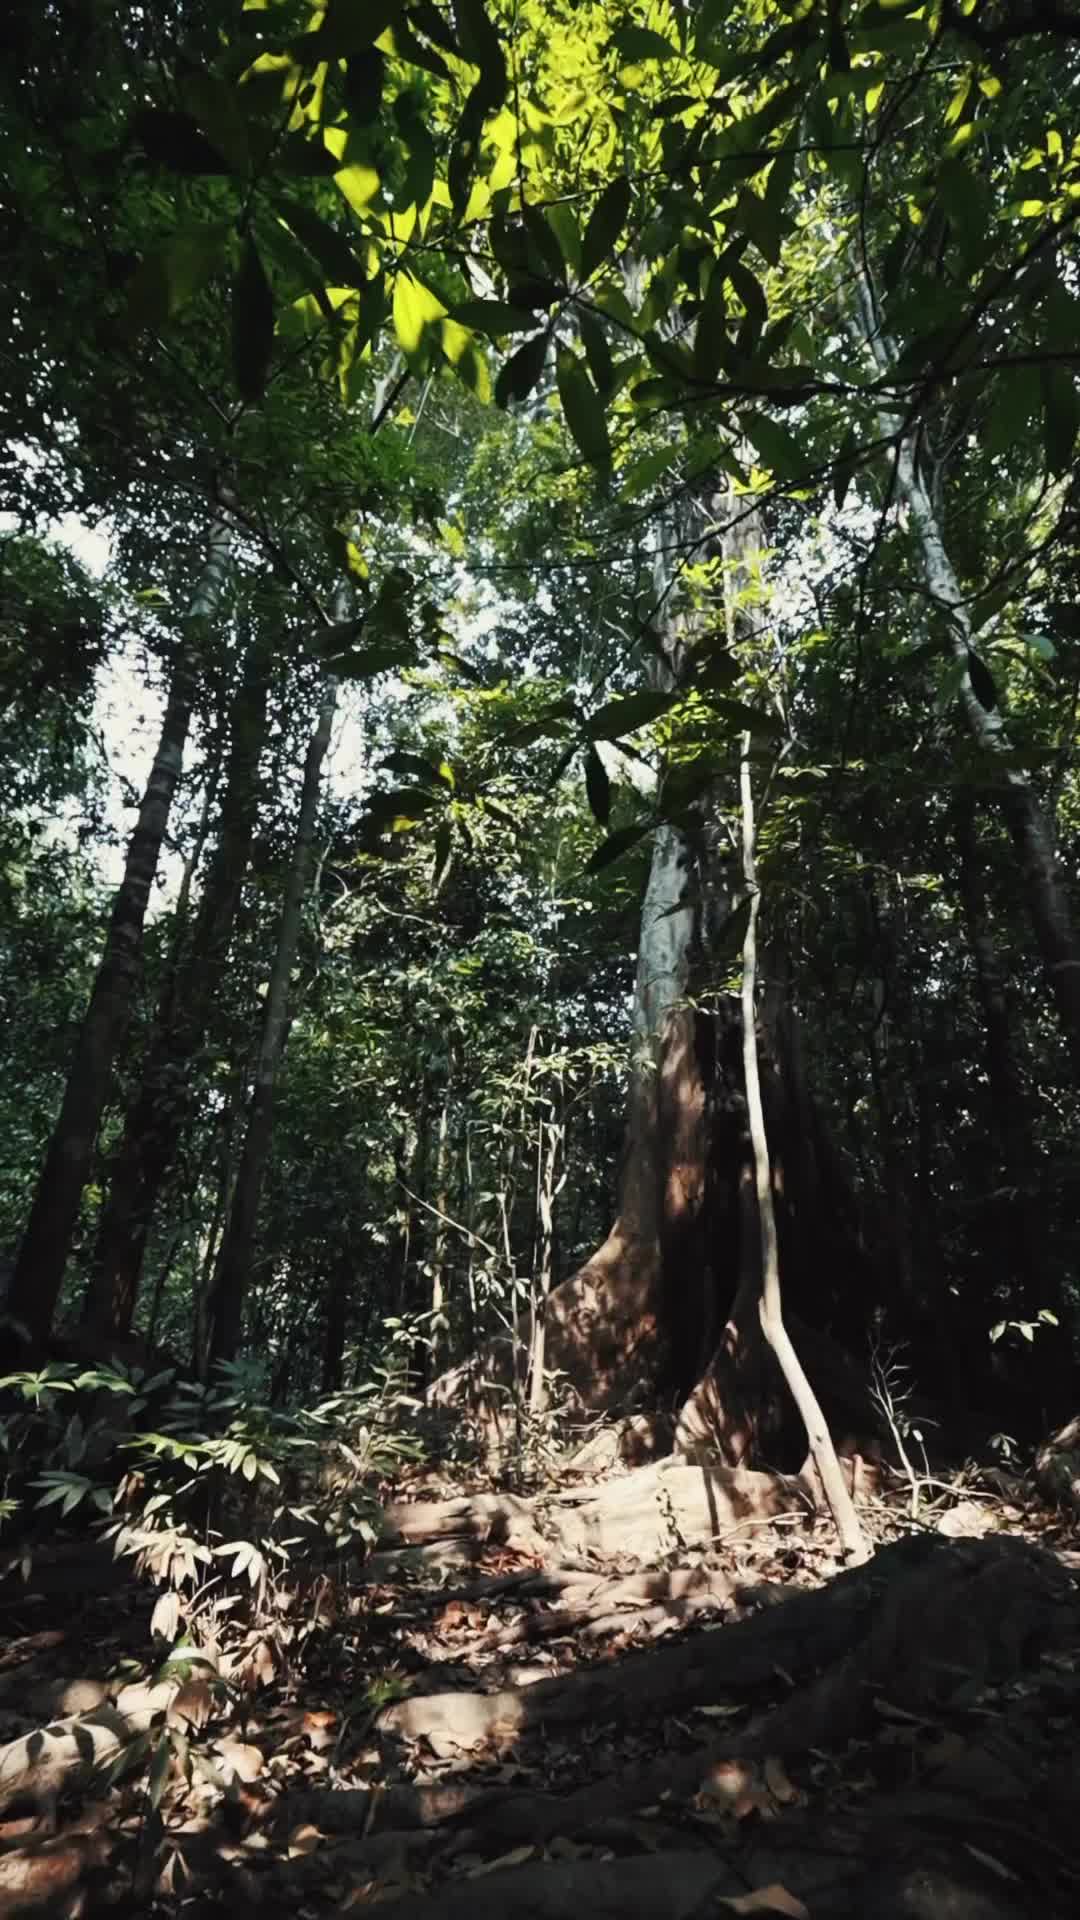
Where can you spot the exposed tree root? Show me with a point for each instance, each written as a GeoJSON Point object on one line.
{"type": "Point", "coordinates": [925, 1619]}
{"type": "Point", "coordinates": [646, 1513]}
{"type": "Point", "coordinates": [41, 1764]}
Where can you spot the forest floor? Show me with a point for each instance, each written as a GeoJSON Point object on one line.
{"type": "Point", "coordinates": [502, 1713]}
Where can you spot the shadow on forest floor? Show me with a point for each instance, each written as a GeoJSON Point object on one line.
{"type": "Point", "coordinates": [738, 1725]}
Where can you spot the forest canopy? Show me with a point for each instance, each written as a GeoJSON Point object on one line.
{"type": "Point", "coordinates": [598, 418]}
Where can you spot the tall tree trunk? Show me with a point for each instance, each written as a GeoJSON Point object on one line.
{"type": "Point", "coordinates": [226, 1305]}
{"type": "Point", "coordinates": [159, 1114]}
{"type": "Point", "coordinates": [39, 1271]}
{"type": "Point", "coordinates": [1045, 890]}
{"type": "Point", "coordinates": [437, 1342]}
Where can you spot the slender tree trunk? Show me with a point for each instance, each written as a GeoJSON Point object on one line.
{"type": "Point", "coordinates": [823, 1453]}
{"type": "Point", "coordinates": [337, 1322]}
{"type": "Point", "coordinates": [437, 1345]}
{"type": "Point", "coordinates": [39, 1271]}
{"type": "Point", "coordinates": [1045, 889]}
{"type": "Point", "coordinates": [159, 1115]}
{"type": "Point", "coordinates": [234, 1263]}
{"type": "Point", "coordinates": [550, 1155]}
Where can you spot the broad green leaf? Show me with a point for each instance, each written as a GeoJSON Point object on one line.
{"type": "Point", "coordinates": [982, 681]}
{"type": "Point", "coordinates": [522, 371]}
{"type": "Point", "coordinates": [465, 152]}
{"type": "Point", "coordinates": [545, 242]}
{"type": "Point", "coordinates": [410, 47]}
{"type": "Point", "coordinates": [346, 28]}
{"type": "Point", "coordinates": [1016, 400]}
{"type": "Point", "coordinates": [481, 44]}
{"type": "Point", "coordinates": [606, 222]}
{"type": "Point", "coordinates": [365, 77]}
{"type": "Point", "coordinates": [563, 223]}
{"type": "Point", "coordinates": [433, 773]}
{"type": "Point", "coordinates": [761, 223]}
{"type": "Point", "coordinates": [747, 719]}
{"type": "Point", "coordinates": [597, 353]}
{"type": "Point", "coordinates": [645, 472]}
{"type": "Point", "coordinates": [615, 846]}
{"type": "Point", "coordinates": [966, 198]}
{"type": "Point", "coordinates": [173, 140]}
{"type": "Point", "coordinates": [626, 715]}
{"type": "Point", "coordinates": [401, 808]}
{"type": "Point", "coordinates": [218, 111]}
{"type": "Point", "coordinates": [584, 410]}
{"type": "Point", "coordinates": [416, 309]}
{"type": "Point", "coordinates": [597, 786]}
{"type": "Point", "coordinates": [306, 159]}
{"type": "Point", "coordinates": [642, 43]}
{"type": "Point", "coordinates": [252, 324]}
{"type": "Point", "coordinates": [168, 277]}
{"type": "Point", "coordinates": [1061, 417]}
{"type": "Point", "coordinates": [778, 448]}
{"type": "Point", "coordinates": [325, 244]}
{"type": "Point", "coordinates": [551, 725]}
{"type": "Point", "coordinates": [710, 336]}
{"type": "Point", "coordinates": [493, 316]}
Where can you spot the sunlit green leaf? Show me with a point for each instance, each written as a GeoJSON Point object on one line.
{"type": "Point", "coordinates": [627, 714]}
{"type": "Point", "coordinates": [606, 222]}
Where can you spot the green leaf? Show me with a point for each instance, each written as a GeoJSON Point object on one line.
{"type": "Point", "coordinates": [597, 785]}
{"type": "Point", "coordinates": [217, 109]}
{"type": "Point", "coordinates": [1061, 418]}
{"type": "Point", "coordinates": [606, 222]}
{"type": "Point", "coordinates": [545, 242]}
{"type": "Point", "coordinates": [761, 223]}
{"type": "Point", "coordinates": [493, 316]}
{"type": "Point", "coordinates": [563, 223]}
{"type": "Point", "coordinates": [522, 371]}
{"type": "Point", "coordinates": [982, 681]}
{"type": "Point", "coordinates": [170, 275]}
{"type": "Point", "coordinates": [778, 448]}
{"type": "Point", "coordinates": [966, 199]}
{"type": "Point", "coordinates": [365, 77]}
{"type": "Point", "coordinates": [626, 715]}
{"type": "Point", "coordinates": [597, 353]}
{"type": "Point", "coordinates": [641, 43]}
{"type": "Point", "coordinates": [252, 324]}
{"type": "Point", "coordinates": [584, 410]}
{"type": "Point", "coordinates": [615, 846]}
{"type": "Point", "coordinates": [746, 719]}
{"type": "Point", "coordinates": [710, 337]}
{"type": "Point", "coordinates": [646, 472]}
{"type": "Point", "coordinates": [326, 244]}
{"type": "Point", "coordinates": [755, 305]}
{"type": "Point", "coordinates": [345, 28]}
{"type": "Point", "coordinates": [307, 159]}
{"type": "Point", "coordinates": [551, 725]}
{"type": "Point", "coordinates": [433, 773]}
{"type": "Point", "coordinates": [1016, 400]}
{"type": "Point", "coordinates": [481, 44]}
{"type": "Point", "coordinates": [173, 140]}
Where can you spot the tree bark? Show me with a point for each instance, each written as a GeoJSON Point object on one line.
{"type": "Point", "coordinates": [157, 1119]}
{"type": "Point", "coordinates": [1045, 889]}
{"type": "Point", "coordinates": [226, 1303]}
{"type": "Point", "coordinates": [39, 1270]}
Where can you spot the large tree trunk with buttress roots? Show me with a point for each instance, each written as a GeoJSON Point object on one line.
{"type": "Point", "coordinates": [665, 1312]}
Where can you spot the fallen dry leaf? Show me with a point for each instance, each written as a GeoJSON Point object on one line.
{"type": "Point", "coordinates": [775, 1899]}
{"type": "Point", "coordinates": [192, 1706]}
{"type": "Point", "coordinates": [783, 1791]}
{"type": "Point", "coordinates": [239, 1760]}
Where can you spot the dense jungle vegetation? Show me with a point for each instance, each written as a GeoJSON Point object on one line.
{"type": "Point", "coordinates": [539, 679]}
